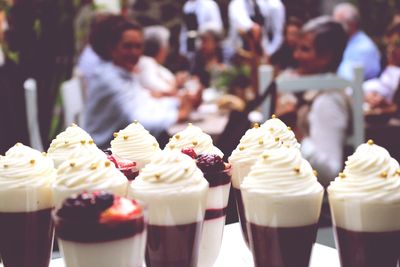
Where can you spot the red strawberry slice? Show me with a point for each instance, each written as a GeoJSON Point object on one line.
{"type": "Point", "coordinates": [189, 151]}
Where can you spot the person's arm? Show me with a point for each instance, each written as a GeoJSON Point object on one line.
{"type": "Point", "coordinates": [149, 77]}
{"type": "Point", "coordinates": [239, 18]}
{"type": "Point", "coordinates": [328, 120]}
{"type": "Point", "coordinates": [277, 24]}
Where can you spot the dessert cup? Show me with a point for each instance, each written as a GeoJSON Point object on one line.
{"type": "Point", "coordinates": [26, 228]}
{"type": "Point", "coordinates": [114, 235]}
{"type": "Point", "coordinates": [365, 206]}
{"type": "Point", "coordinates": [175, 192]}
{"type": "Point", "coordinates": [282, 202]}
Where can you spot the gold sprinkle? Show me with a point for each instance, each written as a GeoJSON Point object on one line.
{"type": "Point", "coordinates": [261, 141]}
{"type": "Point", "coordinates": [342, 175]}
{"type": "Point", "coordinates": [177, 136]}
{"type": "Point", "coordinates": [115, 135]}
{"type": "Point", "coordinates": [44, 154]}
{"type": "Point", "coordinates": [241, 148]}
{"type": "Point", "coordinates": [73, 125]}
{"type": "Point", "coordinates": [83, 142]}
{"type": "Point", "coordinates": [126, 137]}
{"type": "Point", "coordinates": [277, 139]}
{"type": "Point", "coordinates": [135, 121]}
{"type": "Point", "coordinates": [186, 169]}
{"type": "Point", "coordinates": [107, 164]}
{"type": "Point", "coordinates": [158, 176]}
{"type": "Point", "coordinates": [18, 144]}
{"type": "Point", "coordinates": [384, 174]}
{"type": "Point", "coordinates": [171, 146]}
{"type": "Point", "coordinates": [195, 143]}
{"type": "Point", "coordinates": [32, 161]}
{"type": "Point", "coordinates": [370, 142]}
{"type": "Point", "coordinates": [273, 116]}
{"type": "Point", "coordinates": [265, 156]}
{"type": "Point", "coordinates": [72, 164]}
{"type": "Point", "coordinates": [289, 128]}
{"type": "Point", "coordinates": [315, 173]}
{"type": "Point", "coordinates": [66, 142]}
{"type": "Point", "coordinates": [256, 125]}
{"type": "Point", "coordinates": [271, 130]}
{"type": "Point", "coordinates": [155, 145]}
{"type": "Point", "coordinates": [398, 172]}
{"type": "Point", "coordinates": [91, 142]}
{"type": "Point", "coordinates": [94, 166]}
{"type": "Point", "coordinates": [296, 169]}
{"type": "Point", "coordinates": [5, 166]}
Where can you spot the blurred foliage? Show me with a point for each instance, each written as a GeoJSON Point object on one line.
{"type": "Point", "coordinates": [231, 77]}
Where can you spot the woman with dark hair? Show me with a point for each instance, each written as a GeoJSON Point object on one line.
{"type": "Point", "coordinates": [115, 98]}
{"type": "Point", "coordinates": [326, 124]}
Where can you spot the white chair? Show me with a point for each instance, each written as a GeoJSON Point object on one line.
{"type": "Point", "coordinates": [30, 87]}
{"type": "Point", "coordinates": [325, 82]}
{"type": "Point", "coordinates": [73, 101]}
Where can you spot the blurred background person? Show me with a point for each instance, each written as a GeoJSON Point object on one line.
{"type": "Point", "coordinates": [197, 14]}
{"type": "Point", "coordinates": [360, 48]}
{"type": "Point", "coordinates": [379, 92]}
{"type": "Point", "coordinates": [115, 97]}
{"type": "Point", "coordinates": [283, 58]}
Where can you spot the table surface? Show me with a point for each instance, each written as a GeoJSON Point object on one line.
{"type": "Point", "coordinates": [235, 253]}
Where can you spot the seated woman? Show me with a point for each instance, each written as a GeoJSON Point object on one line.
{"type": "Point", "coordinates": [115, 98]}
{"type": "Point", "coordinates": [379, 92]}
{"type": "Point", "coordinates": [150, 71]}
{"type": "Point", "coordinates": [319, 50]}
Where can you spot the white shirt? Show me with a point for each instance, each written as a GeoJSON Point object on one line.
{"type": "Point", "coordinates": [208, 17]}
{"type": "Point", "coordinates": [153, 76]}
{"type": "Point", "coordinates": [273, 11]}
{"type": "Point", "coordinates": [386, 85]}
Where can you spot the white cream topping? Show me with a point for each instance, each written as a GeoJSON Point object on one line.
{"type": "Point", "coordinates": [90, 173]}
{"type": "Point", "coordinates": [193, 137]}
{"type": "Point", "coordinates": [366, 196]}
{"type": "Point", "coordinates": [69, 143]}
{"type": "Point", "coordinates": [282, 190]}
{"type": "Point", "coordinates": [173, 187]}
{"type": "Point", "coordinates": [278, 128]}
{"type": "Point", "coordinates": [25, 179]}
{"type": "Point", "coordinates": [136, 144]}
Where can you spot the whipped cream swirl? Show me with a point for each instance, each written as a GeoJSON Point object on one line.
{"type": "Point", "coordinates": [170, 171]}
{"type": "Point", "coordinates": [252, 144]}
{"type": "Point", "coordinates": [370, 175]}
{"type": "Point", "coordinates": [69, 143]}
{"type": "Point", "coordinates": [193, 137]}
{"type": "Point", "coordinates": [135, 143]}
{"type": "Point", "coordinates": [23, 167]}
{"type": "Point", "coordinates": [278, 128]}
{"type": "Point", "coordinates": [282, 172]}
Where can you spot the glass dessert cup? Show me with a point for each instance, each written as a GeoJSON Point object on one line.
{"type": "Point", "coordinates": [26, 228]}
{"type": "Point", "coordinates": [117, 243]}
{"type": "Point", "coordinates": [214, 221]}
{"type": "Point", "coordinates": [366, 234]}
{"type": "Point", "coordinates": [282, 230]}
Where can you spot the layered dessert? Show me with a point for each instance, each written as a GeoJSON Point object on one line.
{"type": "Point", "coordinates": [282, 201]}
{"type": "Point", "coordinates": [26, 228]}
{"type": "Point", "coordinates": [70, 144]}
{"type": "Point", "coordinates": [365, 205]}
{"type": "Point", "coordinates": [102, 230]}
{"type": "Point", "coordinates": [135, 143]}
{"type": "Point", "coordinates": [193, 137]}
{"type": "Point", "coordinates": [218, 175]}
{"type": "Point", "coordinates": [89, 172]}
{"type": "Point", "coordinates": [175, 191]}
{"type": "Point", "coordinates": [253, 143]}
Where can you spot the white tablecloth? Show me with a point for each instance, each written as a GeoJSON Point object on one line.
{"type": "Point", "coordinates": [234, 252]}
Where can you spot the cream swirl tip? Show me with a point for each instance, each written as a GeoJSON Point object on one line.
{"type": "Point", "coordinates": [24, 167]}
{"type": "Point", "coordinates": [135, 143]}
{"type": "Point", "coordinates": [279, 129]}
{"type": "Point", "coordinates": [282, 172]}
{"type": "Point", "coordinates": [193, 137]}
{"type": "Point", "coordinates": [370, 174]}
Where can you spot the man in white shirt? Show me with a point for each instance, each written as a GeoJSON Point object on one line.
{"type": "Point", "coordinates": [243, 18]}
{"type": "Point", "coordinates": [197, 15]}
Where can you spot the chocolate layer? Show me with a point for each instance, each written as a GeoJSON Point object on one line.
{"type": "Point", "coordinates": [215, 213]}
{"type": "Point", "coordinates": [26, 238]}
{"type": "Point", "coordinates": [93, 231]}
{"type": "Point", "coordinates": [173, 246]}
{"type": "Point", "coordinates": [368, 249]}
{"type": "Point", "coordinates": [282, 246]}
{"type": "Point", "coordinates": [242, 217]}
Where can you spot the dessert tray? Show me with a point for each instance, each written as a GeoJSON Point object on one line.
{"type": "Point", "coordinates": [235, 253]}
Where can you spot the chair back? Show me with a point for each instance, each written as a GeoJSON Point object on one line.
{"type": "Point", "coordinates": [73, 101]}
{"type": "Point", "coordinates": [30, 88]}
{"type": "Point", "coordinates": [324, 82]}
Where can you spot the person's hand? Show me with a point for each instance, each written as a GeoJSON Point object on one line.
{"type": "Point", "coordinates": [185, 107]}
{"type": "Point", "coordinates": [180, 78]}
